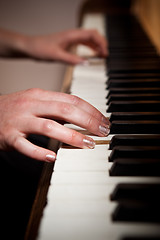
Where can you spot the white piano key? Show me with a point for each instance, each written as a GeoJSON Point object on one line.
{"type": "Point", "coordinates": [97, 95]}
{"type": "Point", "coordinates": [94, 20]}
{"type": "Point", "coordinates": [91, 71]}
{"type": "Point", "coordinates": [82, 159]}
{"type": "Point", "coordinates": [95, 178]}
{"type": "Point", "coordinates": [87, 220]}
{"type": "Point", "coordinates": [80, 193]}
{"type": "Point", "coordinates": [80, 178]}
{"type": "Point", "coordinates": [91, 21]}
{"type": "Point", "coordinates": [89, 81]}
{"type": "Point", "coordinates": [74, 227]}
{"type": "Point", "coordinates": [88, 84]}
{"type": "Point", "coordinates": [91, 78]}
{"type": "Point", "coordinates": [101, 228]}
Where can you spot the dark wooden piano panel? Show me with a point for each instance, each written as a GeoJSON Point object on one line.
{"type": "Point", "coordinates": [19, 182]}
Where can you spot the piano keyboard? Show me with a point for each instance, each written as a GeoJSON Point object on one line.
{"type": "Point", "coordinates": [112, 192]}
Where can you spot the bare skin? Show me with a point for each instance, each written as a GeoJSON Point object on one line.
{"type": "Point", "coordinates": [37, 111]}
{"type": "Point", "coordinates": [54, 46]}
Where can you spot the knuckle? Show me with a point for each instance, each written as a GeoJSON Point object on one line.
{"type": "Point", "coordinates": [94, 32]}
{"type": "Point", "coordinates": [15, 142]}
{"type": "Point", "coordinates": [75, 100]}
{"type": "Point", "coordinates": [96, 114]}
{"type": "Point", "coordinates": [66, 108]}
{"type": "Point", "coordinates": [6, 134]}
{"type": "Point", "coordinates": [90, 122]}
{"type": "Point", "coordinates": [73, 137]}
{"type": "Point", "coordinates": [36, 152]}
{"type": "Point", "coordinates": [22, 103]}
{"type": "Point", "coordinates": [47, 126]}
{"type": "Point", "coordinates": [34, 91]}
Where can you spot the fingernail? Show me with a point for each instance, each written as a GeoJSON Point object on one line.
{"type": "Point", "coordinates": [104, 130]}
{"type": "Point", "coordinates": [89, 143]}
{"type": "Point", "coordinates": [50, 158]}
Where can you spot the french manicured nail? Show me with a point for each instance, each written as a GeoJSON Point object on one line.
{"type": "Point", "coordinates": [89, 143]}
{"type": "Point", "coordinates": [50, 158]}
{"type": "Point", "coordinates": [104, 130]}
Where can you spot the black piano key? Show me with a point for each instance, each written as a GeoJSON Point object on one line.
{"type": "Point", "coordinates": [128, 41]}
{"type": "Point", "coordinates": [137, 212]}
{"type": "Point", "coordinates": [135, 127]}
{"type": "Point", "coordinates": [133, 64]}
{"type": "Point", "coordinates": [132, 55]}
{"type": "Point", "coordinates": [144, 237]}
{"type": "Point", "coordinates": [134, 167]}
{"type": "Point", "coordinates": [123, 76]}
{"type": "Point", "coordinates": [131, 43]}
{"type": "Point", "coordinates": [134, 106]}
{"type": "Point", "coordinates": [126, 116]}
{"type": "Point", "coordinates": [118, 53]}
{"type": "Point", "coordinates": [134, 140]}
{"type": "Point", "coordinates": [137, 192]}
{"type": "Point", "coordinates": [132, 51]}
{"type": "Point", "coordinates": [128, 83]}
{"type": "Point", "coordinates": [121, 23]}
{"type": "Point", "coordinates": [133, 91]}
{"type": "Point", "coordinates": [133, 97]}
{"type": "Point", "coordinates": [134, 152]}
{"type": "Point", "coordinates": [131, 68]}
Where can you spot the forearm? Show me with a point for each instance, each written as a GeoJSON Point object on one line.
{"type": "Point", "coordinates": [12, 43]}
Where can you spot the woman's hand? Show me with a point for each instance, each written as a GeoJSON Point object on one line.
{"type": "Point", "coordinates": [33, 111]}
{"type": "Point", "coordinates": [53, 47]}
{"type": "Point", "coordinates": [56, 46]}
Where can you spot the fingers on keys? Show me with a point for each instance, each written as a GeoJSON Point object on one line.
{"type": "Point", "coordinates": [46, 106]}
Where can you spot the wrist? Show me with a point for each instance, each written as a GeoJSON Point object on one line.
{"type": "Point", "coordinates": [12, 43]}
{"type": "Point", "coordinates": [20, 45]}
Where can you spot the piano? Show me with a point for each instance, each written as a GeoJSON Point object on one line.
{"type": "Point", "coordinates": [110, 192]}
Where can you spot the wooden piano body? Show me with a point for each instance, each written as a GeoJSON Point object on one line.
{"type": "Point", "coordinates": [147, 11]}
